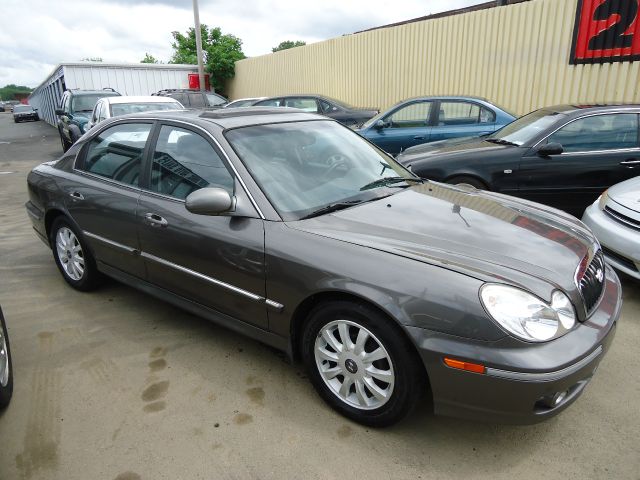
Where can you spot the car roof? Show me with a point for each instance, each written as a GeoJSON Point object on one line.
{"type": "Point", "coordinates": [140, 99]}
{"type": "Point", "coordinates": [583, 108]}
{"type": "Point", "coordinates": [233, 117]}
{"type": "Point", "coordinates": [106, 93]}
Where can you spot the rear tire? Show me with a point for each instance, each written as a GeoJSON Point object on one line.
{"type": "Point", "coordinates": [6, 369]}
{"type": "Point", "coordinates": [464, 180]}
{"type": "Point", "coordinates": [361, 363]}
{"type": "Point", "coordinates": [73, 258]}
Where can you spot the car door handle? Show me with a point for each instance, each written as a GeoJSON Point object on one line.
{"type": "Point", "coordinates": [418, 137]}
{"type": "Point", "coordinates": [630, 162]}
{"type": "Point", "coordinates": [155, 220]}
{"type": "Point", "coordinates": [76, 196]}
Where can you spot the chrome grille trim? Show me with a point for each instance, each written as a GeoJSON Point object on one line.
{"type": "Point", "coordinates": [591, 285]}
{"type": "Point", "coordinates": [620, 218]}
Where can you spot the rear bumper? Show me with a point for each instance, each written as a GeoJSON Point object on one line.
{"type": "Point", "coordinates": [520, 378]}
{"type": "Point", "coordinates": [37, 221]}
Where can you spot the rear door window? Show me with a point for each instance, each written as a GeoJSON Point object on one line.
{"type": "Point", "coordinates": [307, 104]}
{"type": "Point", "coordinates": [463, 113]}
{"type": "Point", "coordinates": [272, 102]}
{"type": "Point", "coordinates": [116, 153]}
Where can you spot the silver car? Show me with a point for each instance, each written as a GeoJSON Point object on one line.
{"type": "Point", "coordinates": [615, 220]}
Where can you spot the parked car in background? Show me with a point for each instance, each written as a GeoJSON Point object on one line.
{"type": "Point", "coordinates": [194, 98]}
{"type": "Point", "coordinates": [387, 286]}
{"type": "Point", "coordinates": [562, 156]}
{"type": "Point", "coordinates": [108, 107]}
{"type": "Point", "coordinates": [428, 119]}
{"type": "Point", "coordinates": [9, 104]}
{"type": "Point", "coordinates": [74, 112]}
{"type": "Point", "coordinates": [6, 367]}
{"type": "Point", "coordinates": [25, 112]}
{"type": "Point", "coordinates": [244, 102]}
{"type": "Point", "coordinates": [329, 107]}
{"type": "Point", "coordinates": [615, 219]}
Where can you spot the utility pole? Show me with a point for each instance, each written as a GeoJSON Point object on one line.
{"type": "Point", "coordinates": [196, 18]}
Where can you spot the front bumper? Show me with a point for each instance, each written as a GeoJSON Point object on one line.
{"type": "Point", "coordinates": [519, 376]}
{"type": "Point", "coordinates": [621, 244]}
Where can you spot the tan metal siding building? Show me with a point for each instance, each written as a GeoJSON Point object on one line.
{"type": "Point", "coordinates": [516, 56]}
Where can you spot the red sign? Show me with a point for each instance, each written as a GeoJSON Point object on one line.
{"type": "Point", "coordinates": [194, 81]}
{"type": "Point", "coordinates": [606, 31]}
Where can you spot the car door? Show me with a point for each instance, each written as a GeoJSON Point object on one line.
{"type": "Point", "coordinates": [456, 118]}
{"type": "Point", "coordinates": [404, 127]}
{"type": "Point", "coordinates": [103, 198]}
{"type": "Point", "coordinates": [216, 261]}
{"type": "Point", "coordinates": [597, 151]}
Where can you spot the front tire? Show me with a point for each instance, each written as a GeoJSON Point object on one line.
{"type": "Point", "coordinates": [6, 366]}
{"type": "Point", "coordinates": [466, 181]}
{"type": "Point", "coordinates": [361, 363]}
{"type": "Point", "coordinates": [73, 258]}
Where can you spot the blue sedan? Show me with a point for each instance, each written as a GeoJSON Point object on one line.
{"type": "Point", "coordinates": [427, 119]}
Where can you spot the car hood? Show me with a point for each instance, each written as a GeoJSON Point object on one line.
{"type": "Point", "coordinates": [627, 194]}
{"type": "Point", "coordinates": [451, 147]}
{"type": "Point", "coordinates": [482, 234]}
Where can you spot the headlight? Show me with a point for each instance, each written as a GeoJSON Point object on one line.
{"type": "Point", "coordinates": [604, 198]}
{"type": "Point", "coordinates": [526, 316]}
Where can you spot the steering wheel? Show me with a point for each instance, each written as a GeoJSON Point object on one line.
{"type": "Point", "coordinates": [336, 161]}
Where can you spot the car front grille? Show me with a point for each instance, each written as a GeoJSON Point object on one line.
{"type": "Point", "coordinates": [591, 282]}
{"type": "Point", "coordinates": [624, 261]}
{"type": "Point", "coordinates": [620, 218]}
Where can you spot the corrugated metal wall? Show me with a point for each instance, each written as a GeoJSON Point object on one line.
{"type": "Point", "coordinates": [135, 79]}
{"type": "Point", "coordinates": [516, 56]}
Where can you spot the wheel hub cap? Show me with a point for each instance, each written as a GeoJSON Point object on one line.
{"type": "Point", "coordinates": [354, 364]}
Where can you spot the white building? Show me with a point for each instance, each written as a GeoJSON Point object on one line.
{"type": "Point", "coordinates": [126, 78]}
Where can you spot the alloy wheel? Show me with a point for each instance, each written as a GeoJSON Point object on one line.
{"type": "Point", "coordinates": [70, 253]}
{"type": "Point", "coordinates": [354, 364]}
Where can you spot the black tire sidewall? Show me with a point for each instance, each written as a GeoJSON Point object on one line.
{"type": "Point", "coordinates": [6, 391]}
{"type": "Point", "coordinates": [91, 276]}
{"type": "Point", "coordinates": [408, 384]}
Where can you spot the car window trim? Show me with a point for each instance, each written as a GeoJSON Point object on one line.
{"type": "Point", "coordinates": [544, 139]}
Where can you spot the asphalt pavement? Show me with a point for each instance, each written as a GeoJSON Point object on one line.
{"type": "Point", "coordinates": [115, 384]}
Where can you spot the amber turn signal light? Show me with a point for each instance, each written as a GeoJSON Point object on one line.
{"type": "Point", "coordinates": [460, 365]}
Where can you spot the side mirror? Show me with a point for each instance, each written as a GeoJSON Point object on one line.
{"type": "Point", "coordinates": [550, 149]}
{"type": "Point", "coordinates": [380, 124]}
{"type": "Point", "coordinates": [210, 201]}
{"type": "Point", "coordinates": [59, 111]}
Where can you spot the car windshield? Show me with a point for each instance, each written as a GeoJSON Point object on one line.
{"type": "Point", "coordinates": [307, 167]}
{"type": "Point", "coordinates": [85, 103]}
{"type": "Point", "coordinates": [526, 128]}
{"type": "Point", "coordinates": [22, 108]}
{"type": "Point", "coordinates": [216, 99]}
{"type": "Point", "coordinates": [125, 108]}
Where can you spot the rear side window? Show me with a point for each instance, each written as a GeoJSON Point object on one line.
{"type": "Point", "coordinates": [463, 113]}
{"type": "Point", "coordinates": [184, 162]}
{"type": "Point", "coordinates": [116, 153]}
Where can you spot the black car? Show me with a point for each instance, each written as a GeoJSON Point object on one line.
{"type": "Point", "coordinates": [25, 112]}
{"type": "Point", "coordinates": [194, 98]}
{"type": "Point", "coordinates": [385, 285]}
{"type": "Point", "coordinates": [329, 107]}
{"type": "Point", "coordinates": [75, 109]}
{"type": "Point", "coordinates": [562, 156]}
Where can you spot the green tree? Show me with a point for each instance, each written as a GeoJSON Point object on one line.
{"type": "Point", "coordinates": [8, 92]}
{"type": "Point", "coordinates": [288, 44]}
{"type": "Point", "coordinates": [220, 52]}
{"type": "Point", "coordinates": [148, 58]}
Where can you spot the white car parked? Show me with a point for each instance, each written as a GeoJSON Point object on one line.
{"type": "Point", "coordinates": [108, 107]}
{"type": "Point", "coordinates": [615, 220]}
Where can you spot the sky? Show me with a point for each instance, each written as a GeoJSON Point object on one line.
{"type": "Point", "coordinates": [36, 35]}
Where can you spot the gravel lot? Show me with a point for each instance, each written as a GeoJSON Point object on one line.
{"type": "Point", "coordinates": [117, 385]}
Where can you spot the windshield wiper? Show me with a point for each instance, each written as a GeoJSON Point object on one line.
{"type": "Point", "coordinates": [383, 182]}
{"type": "Point", "coordinates": [501, 141]}
{"type": "Point", "coordinates": [332, 207]}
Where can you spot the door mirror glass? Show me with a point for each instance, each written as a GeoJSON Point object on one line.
{"type": "Point", "coordinates": [550, 149]}
{"type": "Point", "coordinates": [209, 201]}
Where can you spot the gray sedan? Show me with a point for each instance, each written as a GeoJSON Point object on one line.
{"type": "Point", "coordinates": [615, 219]}
{"type": "Point", "coordinates": [294, 230]}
